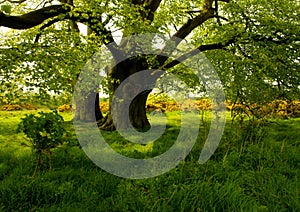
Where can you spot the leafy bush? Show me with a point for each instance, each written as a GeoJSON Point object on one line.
{"type": "Point", "coordinates": [45, 131]}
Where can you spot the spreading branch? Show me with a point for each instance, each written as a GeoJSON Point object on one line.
{"type": "Point", "coordinates": [205, 14]}
{"type": "Point", "coordinates": [13, 2]}
{"type": "Point", "coordinates": [33, 18]}
{"type": "Point", "coordinates": [37, 17]}
{"type": "Point", "coordinates": [201, 48]}
{"type": "Point", "coordinates": [191, 24]}
{"type": "Point", "coordinates": [151, 7]}
{"type": "Point", "coordinates": [50, 23]}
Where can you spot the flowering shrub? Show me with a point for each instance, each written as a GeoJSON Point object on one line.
{"type": "Point", "coordinates": [104, 106]}
{"type": "Point", "coordinates": [64, 108]}
{"type": "Point", "coordinates": [277, 108]}
{"type": "Point", "coordinates": [14, 107]}
{"type": "Point", "coordinates": [203, 104]}
{"type": "Point", "coordinates": [11, 107]}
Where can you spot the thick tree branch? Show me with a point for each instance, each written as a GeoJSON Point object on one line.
{"type": "Point", "coordinates": [153, 4]}
{"type": "Point", "coordinates": [205, 13]}
{"type": "Point", "coordinates": [13, 2]}
{"type": "Point", "coordinates": [37, 17]}
{"type": "Point", "coordinates": [73, 24]}
{"type": "Point", "coordinates": [191, 24]}
{"type": "Point", "coordinates": [201, 48]}
{"type": "Point", "coordinates": [50, 23]}
{"type": "Point", "coordinates": [151, 7]}
{"type": "Point", "coordinates": [136, 2]}
{"type": "Point", "coordinates": [33, 18]}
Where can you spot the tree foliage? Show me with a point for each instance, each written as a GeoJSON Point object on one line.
{"type": "Point", "coordinates": [253, 44]}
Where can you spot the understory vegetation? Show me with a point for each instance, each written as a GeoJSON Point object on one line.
{"type": "Point", "coordinates": [255, 168]}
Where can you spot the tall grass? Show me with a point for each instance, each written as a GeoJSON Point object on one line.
{"type": "Point", "coordinates": [253, 169]}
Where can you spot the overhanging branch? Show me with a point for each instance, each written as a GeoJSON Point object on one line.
{"type": "Point", "coordinates": [37, 17]}
{"type": "Point", "coordinates": [50, 23]}
{"type": "Point", "coordinates": [201, 48]}
{"type": "Point", "coordinates": [33, 18]}
{"type": "Point", "coordinates": [13, 2]}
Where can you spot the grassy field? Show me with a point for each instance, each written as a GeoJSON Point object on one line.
{"type": "Point", "coordinates": [255, 168]}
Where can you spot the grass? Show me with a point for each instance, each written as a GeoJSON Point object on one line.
{"type": "Point", "coordinates": [253, 169]}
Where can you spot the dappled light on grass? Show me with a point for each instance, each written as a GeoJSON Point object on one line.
{"type": "Point", "coordinates": [152, 149]}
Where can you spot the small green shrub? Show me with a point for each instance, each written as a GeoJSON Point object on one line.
{"type": "Point", "coordinates": [45, 131]}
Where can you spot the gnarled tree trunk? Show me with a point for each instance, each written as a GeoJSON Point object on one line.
{"type": "Point", "coordinates": [136, 107]}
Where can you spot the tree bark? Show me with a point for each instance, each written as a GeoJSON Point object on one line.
{"type": "Point", "coordinates": [137, 115]}
{"type": "Point", "coordinates": [33, 18]}
{"type": "Point", "coordinates": [137, 112]}
{"type": "Point", "coordinates": [137, 107]}
{"type": "Point", "coordinates": [88, 109]}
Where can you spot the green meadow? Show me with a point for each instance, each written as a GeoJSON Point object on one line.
{"type": "Point", "coordinates": [255, 168]}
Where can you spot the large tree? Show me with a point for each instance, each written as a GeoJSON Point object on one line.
{"type": "Point", "coordinates": [249, 31]}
